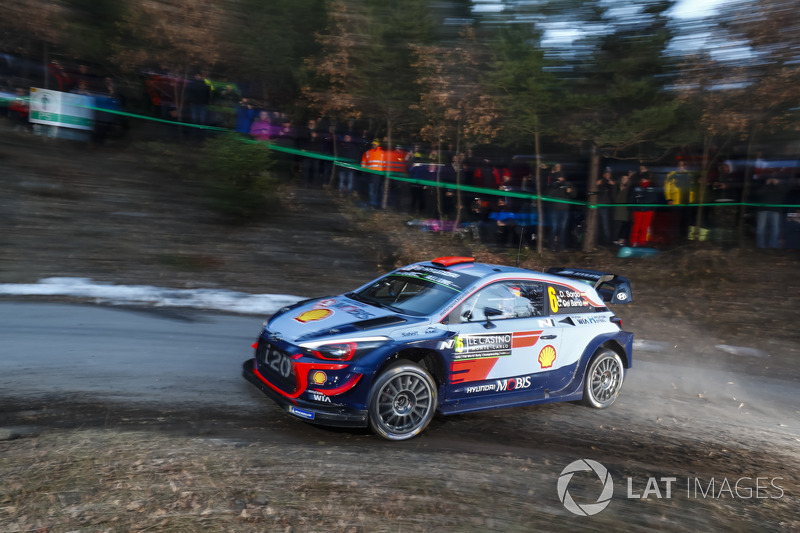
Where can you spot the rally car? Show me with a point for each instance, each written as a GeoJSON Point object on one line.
{"type": "Point", "coordinates": [448, 335]}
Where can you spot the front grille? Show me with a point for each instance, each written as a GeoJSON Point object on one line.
{"type": "Point", "coordinates": [275, 365]}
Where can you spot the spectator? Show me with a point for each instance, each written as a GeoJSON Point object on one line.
{"type": "Point", "coordinates": [18, 110]}
{"type": "Point", "coordinates": [647, 194]}
{"type": "Point", "coordinates": [373, 159]}
{"type": "Point", "coordinates": [419, 170]}
{"type": "Point", "coordinates": [605, 197]}
{"type": "Point", "coordinates": [502, 225]}
{"type": "Point", "coordinates": [92, 82]}
{"type": "Point", "coordinates": [326, 166]}
{"type": "Point", "coordinates": [261, 129]}
{"type": "Point", "coordinates": [245, 115]}
{"type": "Point", "coordinates": [768, 217]}
{"type": "Point", "coordinates": [63, 81]}
{"type": "Point", "coordinates": [198, 95]}
{"type": "Point", "coordinates": [82, 88]}
{"type": "Point", "coordinates": [623, 192]}
{"type": "Point", "coordinates": [396, 165]}
{"type": "Point", "coordinates": [792, 230]}
{"type": "Point", "coordinates": [312, 141]}
{"type": "Point", "coordinates": [677, 186]}
{"type": "Point", "coordinates": [560, 190]}
{"type": "Point", "coordinates": [286, 134]}
{"type": "Point", "coordinates": [350, 152]}
{"type": "Point", "coordinates": [106, 123]}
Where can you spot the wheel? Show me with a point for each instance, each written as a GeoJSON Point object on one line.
{"type": "Point", "coordinates": [402, 401]}
{"type": "Point", "coordinates": [603, 379]}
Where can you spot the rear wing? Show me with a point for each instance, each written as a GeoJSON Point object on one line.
{"type": "Point", "coordinates": [611, 288]}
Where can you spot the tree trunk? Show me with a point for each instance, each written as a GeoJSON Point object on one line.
{"type": "Point", "coordinates": [539, 210]}
{"type": "Point", "coordinates": [701, 186]}
{"type": "Point", "coordinates": [459, 205]}
{"type": "Point", "coordinates": [387, 181]}
{"type": "Point", "coordinates": [334, 170]}
{"type": "Point", "coordinates": [746, 184]}
{"type": "Point", "coordinates": [591, 212]}
{"type": "Point", "coordinates": [44, 59]}
{"type": "Point", "coordinates": [439, 182]}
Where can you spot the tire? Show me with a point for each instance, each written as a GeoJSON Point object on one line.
{"type": "Point", "coordinates": [402, 401]}
{"type": "Point", "coordinates": [603, 379]}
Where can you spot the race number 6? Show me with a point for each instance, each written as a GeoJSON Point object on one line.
{"type": "Point", "coordinates": [551, 292]}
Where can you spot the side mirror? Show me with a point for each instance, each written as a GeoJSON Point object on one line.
{"type": "Point", "coordinates": [489, 312]}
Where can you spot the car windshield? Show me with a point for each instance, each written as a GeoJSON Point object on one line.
{"type": "Point", "coordinates": [416, 291]}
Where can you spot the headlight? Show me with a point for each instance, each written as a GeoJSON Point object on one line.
{"type": "Point", "coordinates": [343, 350]}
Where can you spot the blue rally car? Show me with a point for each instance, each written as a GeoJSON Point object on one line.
{"type": "Point", "coordinates": [449, 335]}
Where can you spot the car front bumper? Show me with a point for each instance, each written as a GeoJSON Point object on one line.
{"type": "Point", "coordinates": [333, 415]}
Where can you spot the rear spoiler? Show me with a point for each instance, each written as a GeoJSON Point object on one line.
{"type": "Point", "coordinates": [611, 288]}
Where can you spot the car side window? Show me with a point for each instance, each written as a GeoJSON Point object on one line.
{"type": "Point", "coordinates": [503, 300]}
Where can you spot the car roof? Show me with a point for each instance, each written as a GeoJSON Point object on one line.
{"type": "Point", "coordinates": [467, 265]}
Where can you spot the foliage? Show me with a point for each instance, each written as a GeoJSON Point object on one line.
{"type": "Point", "coordinates": [454, 103]}
{"type": "Point", "coordinates": [237, 172]}
{"type": "Point", "coordinates": [528, 92]}
{"type": "Point", "coordinates": [619, 102]}
{"type": "Point", "coordinates": [26, 19]}
{"type": "Point", "coordinates": [453, 100]}
{"type": "Point", "coordinates": [527, 95]}
{"type": "Point", "coordinates": [270, 42]}
{"type": "Point", "coordinates": [612, 90]}
{"type": "Point", "coordinates": [365, 66]}
{"type": "Point", "coordinates": [181, 35]}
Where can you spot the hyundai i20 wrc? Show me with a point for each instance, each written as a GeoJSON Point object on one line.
{"type": "Point", "coordinates": [448, 335]}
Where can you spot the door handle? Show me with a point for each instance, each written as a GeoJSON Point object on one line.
{"type": "Point", "coordinates": [548, 337]}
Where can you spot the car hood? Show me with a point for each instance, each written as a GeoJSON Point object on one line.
{"type": "Point", "coordinates": [314, 319]}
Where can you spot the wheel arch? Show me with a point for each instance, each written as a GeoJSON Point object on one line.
{"type": "Point", "coordinates": [620, 343]}
{"type": "Point", "coordinates": [617, 348]}
{"type": "Point", "coordinates": [430, 360]}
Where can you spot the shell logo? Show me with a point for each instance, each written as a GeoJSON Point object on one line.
{"type": "Point", "coordinates": [547, 356]}
{"type": "Point", "coordinates": [313, 315]}
{"type": "Point", "coordinates": [319, 378]}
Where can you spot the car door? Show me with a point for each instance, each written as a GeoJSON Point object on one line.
{"type": "Point", "coordinates": [504, 337]}
{"type": "Point", "coordinates": [579, 321]}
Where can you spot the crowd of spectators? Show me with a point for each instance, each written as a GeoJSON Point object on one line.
{"type": "Point", "coordinates": [637, 207]}
{"type": "Point", "coordinates": [101, 93]}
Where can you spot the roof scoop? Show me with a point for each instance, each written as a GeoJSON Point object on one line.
{"type": "Point", "coordinates": [452, 260]}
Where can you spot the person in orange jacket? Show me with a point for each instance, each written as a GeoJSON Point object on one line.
{"type": "Point", "coordinates": [374, 159]}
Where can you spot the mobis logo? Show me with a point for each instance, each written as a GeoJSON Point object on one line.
{"type": "Point", "coordinates": [513, 383]}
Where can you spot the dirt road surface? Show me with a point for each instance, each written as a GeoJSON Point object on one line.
{"type": "Point", "coordinates": [132, 419]}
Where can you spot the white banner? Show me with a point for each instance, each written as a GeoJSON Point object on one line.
{"type": "Point", "coordinates": [66, 110]}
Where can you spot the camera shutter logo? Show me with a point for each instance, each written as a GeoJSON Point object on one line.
{"type": "Point", "coordinates": [587, 509]}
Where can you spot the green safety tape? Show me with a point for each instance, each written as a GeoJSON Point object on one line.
{"type": "Point", "coordinates": [354, 165]}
